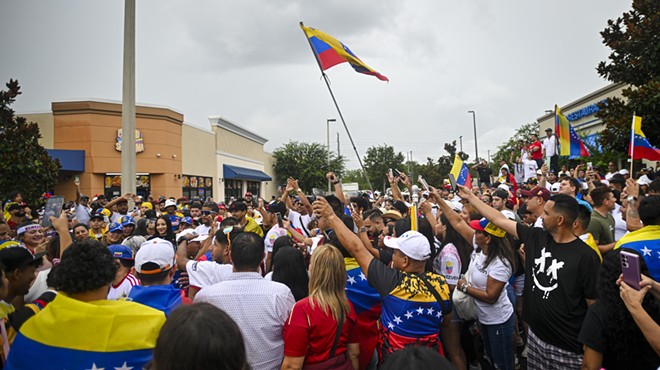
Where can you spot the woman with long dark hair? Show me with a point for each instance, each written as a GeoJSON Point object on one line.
{"type": "Point", "coordinates": [452, 260]}
{"type": "Point", "coordinates": [610, 336]}
{"type": "Point", "coordinates": [164, 230]}
{"type": "Point", "coordinates": [289, 268]}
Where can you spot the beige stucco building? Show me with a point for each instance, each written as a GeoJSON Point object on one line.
{"type": "Point", "coordinates": [174, 158]}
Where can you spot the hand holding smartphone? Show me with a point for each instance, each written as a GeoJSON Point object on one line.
{"type": "Point", "coordinates": [630, 267]}
{"type": "Point", "coordinates": [53, 208]}
{"type": "Point", "coordinates": [452, 181]}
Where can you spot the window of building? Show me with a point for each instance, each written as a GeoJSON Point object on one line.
{"type": "Point", "coordinates": [233, 188]}
{"type": "Point", "coordinates": [197, 186]}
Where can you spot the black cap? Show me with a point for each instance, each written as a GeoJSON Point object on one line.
{"type": "Point", "coordinates": [15, 206]}
{"type": "Point", "coordinates": [548, 129]}
{"type": "Point", "coordinates": [18, 257]}
{"type": "Point", "coordinates": [276, 207]}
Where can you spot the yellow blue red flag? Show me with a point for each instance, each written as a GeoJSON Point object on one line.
{"type": "Point", "coordinates": [329, 52]}
{"type": "Point", "coordinates": [570, 144]}
{"type": "Point", "coordinates": [646, 243]}
{"type": "Point", "coordinates": [71, 334]}
{"type": "Point", "coordinates": [461, 172]}
{"type": "Point", "coordinates": [640, 147]}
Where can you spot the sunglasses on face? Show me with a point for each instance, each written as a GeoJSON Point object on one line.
{"type": "Point", "coordinates": [206, 213]}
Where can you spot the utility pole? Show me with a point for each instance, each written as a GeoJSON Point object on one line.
{"type": "Point", "coordinates": [338, 148]}
{"type": "Point", "coordinates": [327, 136]}
{"type": "Point", "coordinates": [128, 102]}
{"type": "Point", "coordinates": [489, 157]}
{"type": "Point", "coordinates": [474, 121]}
{"type": "Point", "coordinates": [460, 138]}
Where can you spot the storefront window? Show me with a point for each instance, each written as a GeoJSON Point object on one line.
{"type": "Point", "coordinates": [112, 185]}
{"type": "Point", "coordinates": [253, 187]}
{"type": "Point", "coordinates": [197, 187]}
{"type": "Point", "coordinates": [233, 188]}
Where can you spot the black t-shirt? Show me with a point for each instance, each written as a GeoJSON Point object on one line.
{"type": "Point", "coordinates": [594, 336]}
{"type": "Point", "coordinates": [559, 277]}
{"type": "Point", "coordinates": [484, 173]}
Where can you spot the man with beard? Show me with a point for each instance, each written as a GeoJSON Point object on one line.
{"type": "Point", "coordinates": [207, 213]}
{"type": "Point", "coordinates": [121, 204]}
{"type": "Point", "coordinates": [17, 215]}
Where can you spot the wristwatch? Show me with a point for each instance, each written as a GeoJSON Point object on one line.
{"type": "Point", "coordinates": [363, 229]}
{"type": "Point", "coordinates": [464, 288]}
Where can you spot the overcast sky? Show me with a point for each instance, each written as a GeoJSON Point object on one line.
{"type": "Point", "coordinates": [249, 62]}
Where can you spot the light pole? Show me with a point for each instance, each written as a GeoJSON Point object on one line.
{"type": "Point", "coordinates": [476, 150]}
{"type": "Point", "coordinates": [327, 122]}
{"type": "Point", "coordinates": [128, 102]}
{"type": "Point", "coordinates": [460, 139]}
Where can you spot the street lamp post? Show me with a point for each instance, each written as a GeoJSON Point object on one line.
{"type": "Point", "coordinates": [327, 122]}
{"type": "Point", "coordinates": [476, 149]}
{"type": "Point", "coordinates": [460, 139]}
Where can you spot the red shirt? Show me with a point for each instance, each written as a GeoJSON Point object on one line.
{"type": "Point", "coordinates": [310, 332]}
{"type": "Point", "coordinates": [538, 154]}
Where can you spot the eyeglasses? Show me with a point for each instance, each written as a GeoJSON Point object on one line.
{"type": "Point", "coordinates": [206, 213]}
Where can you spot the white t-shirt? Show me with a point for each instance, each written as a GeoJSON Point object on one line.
{"type": "Point", "coordinates": [83, 214]}
{"type": "Point", "coordinates": [124, 288]}
{"type": "Point", "coordinates": [39, 286]}
{"type": "Point", "coordinates": [300, 222]}
{"type": "Point", "coordinates": [275, 232]}
{"type": "Point", "coordinates": [550, 146]}
{"type": "Point", "coordinates": [530, 168]}
{"type": "Point", "coordinates": [448, 264]}
{"type": "Point", "coordinates": [500, 311]}
{"type": "Point", "coordinates": [620, 228]}
{"type": "Point", "coordinates": [203, 229]}
{"type": "Point", "coordinates": [538, 223]}
{"type": "Point", "coordinates": [206, 273]}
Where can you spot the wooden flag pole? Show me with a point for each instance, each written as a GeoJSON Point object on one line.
{"type": "Point", "coordinates": [341, 116]}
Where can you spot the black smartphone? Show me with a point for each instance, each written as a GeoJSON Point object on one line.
{"type": "Point", "coordinates": [279, 219]}
{"type": "Point", "coordinates": [452, 181]}
{"type": "Point", "coordinates": [396, 172]}
{"type": "Point", "coordinates": [53, 208]}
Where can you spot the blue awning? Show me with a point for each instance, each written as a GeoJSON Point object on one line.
{"type": "Point", "coordinates": [71, 160]}
{"type": "Point", "coordinates": [235, 172]}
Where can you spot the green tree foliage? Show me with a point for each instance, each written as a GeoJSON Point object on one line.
{"type": "Point", "coordinates": [307, 162]}
{"type": "Point", "coordinates": [635, 61]}
{"type": "Point", "coordinates": [378, 160]}
{"type": "Point", "coordinates": [446, 162]}
{"type": "Point", "coordinates": [514, 143]}
{"type": "Point", "coordinates": [26, 166]}
{"type": "Point", "coordinates": [355, 176]}
{"type": "Point", "coordinates": [429, 171]}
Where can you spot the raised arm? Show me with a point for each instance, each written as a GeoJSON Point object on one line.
{"type": "Point", "coordinates": [339, 191]}
{"type": "Point", "coordinates": [454, 219]}
{"type": "Point", "coordinates": [362, 234]}
{"type": "Point", "coordinates": [303, 198]}
{"type": "Point", "coordinates": [493, 215]}
{"type": "Point", "coordinates": [348, 240]}
{"type": "Point", "coordinates": [61, 226]}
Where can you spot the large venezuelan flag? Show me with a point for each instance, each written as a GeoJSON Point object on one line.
{"type": "Point", "coordinates": [646, 243]}
{"type": "Point", "coordinates": [367, 304]}
{"type": "Point", "coordinates": [71, 334]}
{"type": "Point", "coordinates": [461, 172]}
{"type": "Point", "coordinates": [330, 52]}
{"type": "Point", "coordinates": [642, 148]}
{"type": "Point", "coordinates": [570, 144]}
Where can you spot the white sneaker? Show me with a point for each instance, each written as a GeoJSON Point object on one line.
{"type": "Point", "coordinates": [524, 352]}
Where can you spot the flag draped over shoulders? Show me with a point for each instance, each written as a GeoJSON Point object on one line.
{"type": "Point", "coordinates": [330, 52]}
{"type": "Point", "coordinates": [71, 334]}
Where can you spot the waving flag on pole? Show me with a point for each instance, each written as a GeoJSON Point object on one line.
{"type": "Point", "coordinates": [569, 143]}
{"type": "Point", "coordinates": [461, 172]}
{"type": "Point", "coordinates": [329, 52]}
{"type": "Point", "coordinates": [640, 148]}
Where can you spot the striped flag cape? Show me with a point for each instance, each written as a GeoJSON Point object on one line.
{"type": "Point", "coordinates": [570, 145]}
{"type": "Point", "coordinates": [71, 334]}
{"type": "Point", "coordinates": [329, 52]}
{"type": "Point", "coordinates": [639, 147]}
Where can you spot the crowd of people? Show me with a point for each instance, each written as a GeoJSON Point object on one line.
{"type": "Point", "coordinates": [524, 268]}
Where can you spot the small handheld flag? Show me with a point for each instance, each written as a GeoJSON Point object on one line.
{"type": "Point", "coordinates": [570, 145]}
{"type": "Point", "coordinates": [461, 172]}
{"type": "Point", "coordinates": [640, 147]}
{"type": "Point", "coordinates": [329, 52]}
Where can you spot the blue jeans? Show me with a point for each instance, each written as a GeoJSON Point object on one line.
{"type": "Point", "coordinates": [498, 340]}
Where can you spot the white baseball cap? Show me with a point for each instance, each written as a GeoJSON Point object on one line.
{"type": "Point", "coordinates": [644, 180]}
{"type": "Point", "coordinates": [411, 243]}
{"type": "Point", "coordinates": [170, 203]}
{"type": "Point", "coordinates": [554, 188]}
{"type": "Point", "coordinates": [157, 252]}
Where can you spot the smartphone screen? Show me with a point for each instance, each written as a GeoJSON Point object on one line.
{"type": "Point", "coordinates": [391, 173]}
{"type": "Point", "coordinates": [318, 192]}
{"type": "Point", "coordinates": [53, 208]}
{"type": "Point", "coordinates": [452, 181]}
{"type": "Point", "coordinates": [396, 172]}
{"type": "Point", "coordinates": [279, 219]}
{"type": "Point", "coordinates": [631, 271]}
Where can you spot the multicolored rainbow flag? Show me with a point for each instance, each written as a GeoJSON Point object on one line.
{"type": "Point", "coordinates": [71, 334]}
{"type": "Point", "coordinates": [640, 148]}
{"type": "Point", "coordinates": [570, 145]}
{"type": "Point", "coordinates": [461, 172]}
{"type": "Point", "coordinates": [329, 52]}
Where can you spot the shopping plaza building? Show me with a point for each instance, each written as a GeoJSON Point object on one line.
{"type": "Point", "coordinates": [174, 158]}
